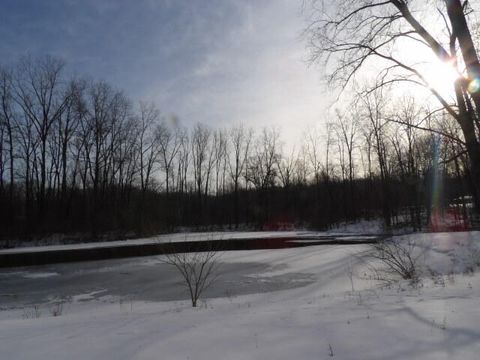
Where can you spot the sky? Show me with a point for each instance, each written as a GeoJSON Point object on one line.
{"type": "Point", "coordinates": [219, 62]}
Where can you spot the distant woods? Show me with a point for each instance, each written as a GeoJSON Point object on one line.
{"type": "Point", "coordinates": [78, 157]}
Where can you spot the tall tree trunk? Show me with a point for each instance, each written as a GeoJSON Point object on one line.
{"type": "Point", "coordinates": [467, 120]}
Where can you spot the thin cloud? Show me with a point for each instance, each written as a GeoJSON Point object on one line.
{"type": "Point", "coordinates": [216, 62]}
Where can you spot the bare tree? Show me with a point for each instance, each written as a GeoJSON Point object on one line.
{"type": "Point", "coordinates": [220, 159]}
{"type": "Point", "coordinates": [301, 167]}
{"type": "Point", "coordinates": [314, 152]}
{"type": "Point", "coordinates": [198, 268]}
{"type": "Point", "coordinates": [210, 163]}
{"type": "Point", "coordinates": [170, 141]}
{"type": "Point", "coordinates": [7, 121]}
{"type": "Point", "coordinates": [262, 171]}
{"type": "Point", "coordinates": [286, 168]}
{"type": "Point", "coordinates": [240, 143]}
{"type": "Point", "coordinates": [2, 158]}
{"type": "Point", "coordinates": [349, 36]}
{"type": "Point", "coordinates": [404, 142]}
{"type": "Point", "coordinates": [346, 131]}
{"type": "Point", "coordinates": [200, 144]}
{"type": "Point", "coordinates": [40, 94]}
{"type": "Point", "coordinates": [183, 160]}
{"type": "Point", "coordinates": [109, 143]}
{"type": "Point", "coordinates": [375, 119]}
{"type": "Point", "coordinates": [149, 144]}
{"type": "Point", "coordinates": [27, 145]}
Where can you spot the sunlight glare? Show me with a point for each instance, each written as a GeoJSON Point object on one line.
{"type": "Point", "coordinates": [441, 75]}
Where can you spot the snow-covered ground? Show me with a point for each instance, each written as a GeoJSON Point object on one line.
{"type": "Point", "coordinates": [330, 307]}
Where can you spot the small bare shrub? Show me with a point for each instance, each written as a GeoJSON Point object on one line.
{"type": "Point", "coordinates": [198, 267]}
{"type": "Point", "coordinates": [57, 309]}
{"type": "Point", "coordinates": [398, 258]}
{"type": "Point", "coordinates": [33, 313]}
{"type": "Point", "coordinates": [467, 259]}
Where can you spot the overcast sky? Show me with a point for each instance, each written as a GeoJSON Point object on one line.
{"type": "Point", "coordinates": [217, 61]}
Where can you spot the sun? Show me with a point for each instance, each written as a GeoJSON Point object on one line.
{"type": "Point", "coordinates": [441, 76]}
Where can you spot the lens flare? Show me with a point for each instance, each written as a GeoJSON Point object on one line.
{"type": "Point", "coordinates": [474, 86]}
{"type": "Point", "coordinates": [436, 215]}
{"type": "Point", "coordinates": [437, 183]}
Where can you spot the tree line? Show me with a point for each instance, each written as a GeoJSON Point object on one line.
{"type": "Point", "coordinates": [77, 156]}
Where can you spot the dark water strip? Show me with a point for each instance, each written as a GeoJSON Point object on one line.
{"type": "Point", "coordinates": [125, 251]}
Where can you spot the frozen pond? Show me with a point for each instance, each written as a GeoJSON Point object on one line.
{"type": "Point", "coordinates": [132, 279]}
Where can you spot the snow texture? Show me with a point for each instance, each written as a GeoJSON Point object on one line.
{"type": "Point", "coordinates": [340, 313]}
